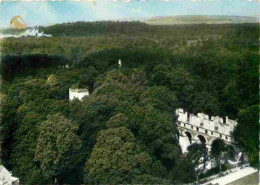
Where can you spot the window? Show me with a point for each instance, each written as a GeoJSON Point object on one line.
{"type": "Point", "coordinates": [216, 128]}
{"type": "Point", "coordinates": [206, 131]}
{"type": "Point", "coordinates": [226, 138]}
{"type": "Point", "coordinates": [197, 129]}
{"type": "Point", "coordinates": [220, 136]}
{"type": "Point", "coordinates": [211, 133]}
{"type": "Point", "coordinates": [191, 127]}
{"type": "Point", "coordinates": [201, 124]}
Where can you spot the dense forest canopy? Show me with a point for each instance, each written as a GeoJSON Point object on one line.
{"type": "Point", "coordinates": [201, 68]}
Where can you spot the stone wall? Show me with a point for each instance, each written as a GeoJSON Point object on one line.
{"type": "Point", "coordinates": [213, 126]}
{"type": "Point", "coordinates": [78, 93]}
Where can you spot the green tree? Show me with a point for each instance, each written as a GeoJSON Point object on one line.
{"type": "Point", "coordinates": [247, 131]}
{"type": "Point", "coordinates": [160, 97]}
{"type": "Point", "coordinates": [183, 171]}
{"type": "Point", "coordinates": [154, 129]}
{"type": "Point", "coordinates": [116, 158]}
{"type": "Point", "coordinates": [57, 146]}
{"type": "Point", "coordinates": [205, 102]}
{"type": "Point", "coordinates": [178, 80]}
{"type": "Point", "coordinates": [197, 155]}
{"type": "Point", "coordinates": [218, 148]}
{"type": "Point", "coordinates": [119, 120]}
{"type": "Point", "coordinates": [242, 91]}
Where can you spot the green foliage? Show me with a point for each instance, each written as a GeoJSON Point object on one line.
{"type": "Point", "coordinates": [36, 176]}
{"type": "Point", "coordinates": [178, 80]}
{"type": "Point", "coordinates": [95, 28]}
{"type": "Point", "coordinates": [247, 131]}
{"type": "Point", "coordinates": [224, 168]}
{"type": "Point", "coordinates": [196, 152]}
{"type": "Point", "coordinates": [218, 148]}
{"type": "Point", "coordinates": [242, 90]}
{"type": "Point", "coordinates": [57, 146]}
{"type": "Point", "coordinates": [119, 120]}
{"type": "Point", "coordinates": [160, 98]}
{"type": "Point", "coordinates": [210, 172]}
{"type": "Point", "coordinates": [197, 156]}
{"type": "Point", "coordinates": [159, 72]}
{"type": "Point", "coordinates": [12, 65]}
{"type": "Point", "coordinates": [184, 171]}
{"type": "Point", "coordinates": [116, 158]}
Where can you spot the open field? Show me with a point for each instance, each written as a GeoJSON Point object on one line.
{"type": "Point", "coordinates": [199, 19]}
{"type": "Point", "coordinates": [245, 176]}
{"type": "Point", "coordinates": [252, 179]}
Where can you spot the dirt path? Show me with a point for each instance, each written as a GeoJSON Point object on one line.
{"type": "Point", "coordinates": [239, 176]}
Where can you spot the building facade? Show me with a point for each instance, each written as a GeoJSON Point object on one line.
{"type": "Point", "coordinates": [78, 93]}
{"type": "Point", "coordinates": [6, 177]}
{"type": "Point", "coordinates": [202, 128]}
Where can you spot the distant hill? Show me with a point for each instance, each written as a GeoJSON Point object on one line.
{"type": "Point", "coordinates": [199, 19]}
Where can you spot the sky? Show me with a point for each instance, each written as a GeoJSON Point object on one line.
{"type": "Point", "coordinates": [51, 12]}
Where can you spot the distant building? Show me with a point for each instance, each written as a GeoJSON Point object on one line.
{"type": "Point", "coordinates": [78, 93]}
{"type": "Point", "coordinates": [6, 177]}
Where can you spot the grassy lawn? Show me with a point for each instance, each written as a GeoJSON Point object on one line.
{"type": "Point", "coordinates": [252, 179]}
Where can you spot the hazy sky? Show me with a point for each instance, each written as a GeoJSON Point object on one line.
{"type": "Point", "coordinates": [47, 13]}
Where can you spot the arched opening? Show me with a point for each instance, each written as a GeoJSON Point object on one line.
{"type": "Point", "coordinates": [231, 153]}
{"type": "Point", "coordinates": [189, 136]}
{"type": "Point", "coordinates": [202, 139]}
{"type": "Point", "coordinates": [177, 134]}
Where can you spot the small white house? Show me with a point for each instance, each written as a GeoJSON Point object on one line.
{"type": "Point", "coordinates": [78, 93]}
{"type": "Point", "coordinates": [6, 177]}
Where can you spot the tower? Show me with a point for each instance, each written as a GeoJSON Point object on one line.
{"type": "Point", "coordinates": [78, 93]}
{"type": "Point", "coordinates": [119, 63]}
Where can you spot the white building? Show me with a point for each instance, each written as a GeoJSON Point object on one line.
{"type": "Point", "coordinates": [6, 177]}
{"type": "Point", "coordinates": [202, 128]}
{"type": "Point", "coordinates": [78, 93]}
{"type": "Point", "coordinates": [119, 63]}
